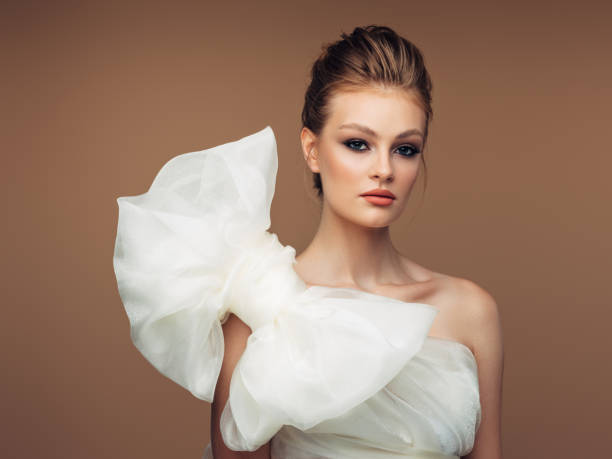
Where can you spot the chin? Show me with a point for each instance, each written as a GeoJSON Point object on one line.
{"type": "Point", "coordinates": [382, 223]}
{"type": "Point", "coordinates": [369, 220]}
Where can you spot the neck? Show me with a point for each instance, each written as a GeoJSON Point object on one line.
{"type": "Point", "coordinates": [350, 255]}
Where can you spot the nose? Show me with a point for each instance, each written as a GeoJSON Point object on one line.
{"type": "Point", "coordinates": [382, 167]}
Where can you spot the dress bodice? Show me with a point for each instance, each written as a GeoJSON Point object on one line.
{"type": "Point", "coordinates": [327, 372]}
{"type": "Point", "coordinates": [430, 409]}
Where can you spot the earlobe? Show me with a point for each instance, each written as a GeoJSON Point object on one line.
{"type": "Point", "coordinates": [309, 150]}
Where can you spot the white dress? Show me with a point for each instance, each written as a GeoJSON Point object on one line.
{"type": "Point", "coordinates": [327, 372]}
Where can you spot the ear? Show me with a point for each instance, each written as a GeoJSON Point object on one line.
{"type": "Point", "coordinates": [309, 149]}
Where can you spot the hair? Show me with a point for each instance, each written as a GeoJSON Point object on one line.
{"type": "Point", "coordinates": [371, 56]}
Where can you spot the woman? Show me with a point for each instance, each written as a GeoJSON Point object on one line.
{"type": "Point", "coordinates": [334, 353]}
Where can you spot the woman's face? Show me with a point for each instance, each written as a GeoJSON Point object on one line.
{"type": "Point", "coordinates": [372, 140]}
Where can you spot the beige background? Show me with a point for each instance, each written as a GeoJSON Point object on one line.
{"type": "Point", "coordinates": [97, 96]}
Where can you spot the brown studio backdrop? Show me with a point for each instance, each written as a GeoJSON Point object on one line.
{"type": "Point", "coordinates": [99, 95]}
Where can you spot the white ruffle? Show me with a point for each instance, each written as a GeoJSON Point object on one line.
{"type": "Point", "coordinates": [196, 247]}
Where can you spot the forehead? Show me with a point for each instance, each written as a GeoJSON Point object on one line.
{"type": "Point", "coordinates": [387, 111]}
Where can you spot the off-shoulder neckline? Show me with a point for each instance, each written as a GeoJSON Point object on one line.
{"type": "Point", "coordinates": [383, 297]}
{"type": "Point", "coordinates": [456, 343]}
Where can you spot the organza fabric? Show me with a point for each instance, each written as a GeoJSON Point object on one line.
{"type": "Point", "coordinates": [327, 372]}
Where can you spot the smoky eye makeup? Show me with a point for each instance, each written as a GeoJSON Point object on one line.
{"type": "Point", "coordinates": [409, 150]}
{"type": "Point", "coordinates": [356, 144]}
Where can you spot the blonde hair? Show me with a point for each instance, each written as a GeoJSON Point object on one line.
{"type": "Point", "coordinates": [370, 56]}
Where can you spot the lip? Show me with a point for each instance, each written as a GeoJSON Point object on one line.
{"type": "Point", "coordinates": [379, 192]}
{"type": "Point", "coordinates": [379, 197]}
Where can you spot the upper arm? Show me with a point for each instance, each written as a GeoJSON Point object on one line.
{"type": "Point", "coordinates": [485, 331]}
{"type": "Point", "coordinates": [235, 335]}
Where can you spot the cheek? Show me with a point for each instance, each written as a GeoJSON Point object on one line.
{"type": "Point", "coordinates": [343, 169]}
{"type": "Point", "coordinates": [406, 175]}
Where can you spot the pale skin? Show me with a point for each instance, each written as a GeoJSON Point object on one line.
{"type": "Point", "coordinates": [354, 159]}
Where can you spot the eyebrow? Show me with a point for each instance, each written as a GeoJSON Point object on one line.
{"type": "Point", "coordinates": [369, 131]}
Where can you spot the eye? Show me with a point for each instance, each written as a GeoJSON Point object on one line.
{"type": "Point", "coordinates": [356, 144]}
{"type": "Point", "coordinates": [408, 150]}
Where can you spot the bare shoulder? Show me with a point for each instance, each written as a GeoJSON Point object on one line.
{"type": "Point", "coordinates": [468, 312]}
{"type": "Point", "coordinates": [478, 316]}
{"type": "Point", "coordinates": [447, 290]}
{"type": "Point", "coordinates": [478, 304]}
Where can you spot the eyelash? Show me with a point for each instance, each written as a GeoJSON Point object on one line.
{"type": "Point", "coordinates": [415, 150]}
